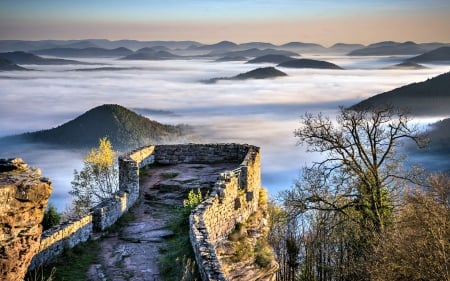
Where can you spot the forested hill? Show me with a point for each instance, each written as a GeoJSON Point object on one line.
{"type": "Point", "coordinates": [124, 128]}
{"type": "Point", "coordinates": [430, 97]}
{"type": "Point", "coordinates": [440, 136]}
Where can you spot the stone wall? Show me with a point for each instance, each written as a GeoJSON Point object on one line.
{"type": "Point", "coordinates": [63, 236]}
{"type": "Point", "coordinates": [233, 199]}
{"type": "Point", "coordinates": [24, 195]}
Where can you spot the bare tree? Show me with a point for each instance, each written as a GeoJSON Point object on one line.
{"type": "Point", "coordinates": [348, 199]}
{"type": "Point", "coordinates": [362, 165]}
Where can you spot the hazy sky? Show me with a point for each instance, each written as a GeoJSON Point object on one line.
{"type": "Point", "coordinates": [208, 21]}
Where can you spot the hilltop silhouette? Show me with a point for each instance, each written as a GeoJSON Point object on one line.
{"type": "Point", "coordinates": [124, 128]}
{"type": "Point", "coordinates": [309, 63]}
{"type": "Point", "coordinates": [430, 97]}
{"type": "Point", "coordinates": [440, 54]}
{"type": "Point", "coordinates": [259, 73]}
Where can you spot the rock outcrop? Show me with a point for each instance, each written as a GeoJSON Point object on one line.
{"type": "Point", "coordinates": [24, 194]}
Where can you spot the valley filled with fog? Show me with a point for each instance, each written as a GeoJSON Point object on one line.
{"type": "Point", "coordinates": [259, 112]}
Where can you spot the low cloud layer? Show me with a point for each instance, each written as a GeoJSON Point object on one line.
{"type": "Point", "coordinates": [260, 112]}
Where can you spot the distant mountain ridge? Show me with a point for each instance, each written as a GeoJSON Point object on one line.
{"type": "Point", "coordinates": [20, 57]}
{"type": "Point", "coordinates": [271, 58]}
{"type": "Point", "coordinates": [406, 65]}
{"type": "Point", "coordinates": [301, 47]}
{"type": "Point", "coordinates": [309, 63]}
{"type": "Point", "coordinates": [151, 55]}
{"type": "Point", "coordinates": [25, 45]}
{"type": "Point", "coordinates": [253, 52]}
{"type": "Point", "coordinates": [7, 65]}
{"type": "Point", "coordinates": [395, 48]}
{"type": "Point", "coordinates": [227, 58]}
{"type": "Point", "coordinates": [124, 128]}
{"type": "Point", "coordinates": [84, 52]}
{"type": "Point", "coordinates": [439, 54]}
{"type": "Point", "coordinates": [259, 73]}
{"type": "Point", "coordinates": [430, 97]}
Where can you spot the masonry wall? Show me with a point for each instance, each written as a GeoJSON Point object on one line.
{"type": "Point", "coordinates": [233, 199]}
{"type": "Point", "coordinates": [69, 234]}
{"type": "Point", "coordinates": [60, 237]}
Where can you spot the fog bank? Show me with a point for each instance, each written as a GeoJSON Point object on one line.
{"type": "Point", "coordinates": [260, 112]}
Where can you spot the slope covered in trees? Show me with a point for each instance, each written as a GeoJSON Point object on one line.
{"type": "Point", "coordinates": [440, 54]}
{"type": "Point", "coordinates": [430, 97]}
{"type": "Point", "coordinates": [123, 127]}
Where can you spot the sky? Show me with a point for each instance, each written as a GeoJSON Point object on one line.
{"type": "Point", "coordinates": [209, 21]}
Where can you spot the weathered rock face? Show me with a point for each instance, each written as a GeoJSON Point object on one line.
{"type": "Point", "coordinates": [24, 195]}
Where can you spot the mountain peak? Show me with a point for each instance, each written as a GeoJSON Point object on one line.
{"type": "Point", "coordinates": [124, 128]}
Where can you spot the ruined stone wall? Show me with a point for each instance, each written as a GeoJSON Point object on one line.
{"type": "Point", "coordinates": [69, 234]}
{"type": "Point", "coordinates": [63, 236]}
{"type": "Point", "coordinates": [200, 153]}
{"type": "Point", "coordinates": [24, 195]}
{"type": "Point", "coordinates": [234, 199]}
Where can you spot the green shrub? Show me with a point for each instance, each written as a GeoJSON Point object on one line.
{"type": "Point", "coordinates": [242, 251]}
{"type": "Point", "coordinates": [263, 253]}
{"type": "Point", "coordinates": [170, 175]}
{"type": "Point", "coordinates": [51, 217]}
{"type": "Point", "coordinates": [193, 200]}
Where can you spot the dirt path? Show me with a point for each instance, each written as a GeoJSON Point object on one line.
{"type": "Point", "coordinates": [132, 253]}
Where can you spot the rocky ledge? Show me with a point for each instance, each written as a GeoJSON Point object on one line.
{"type": "Point", "coordinates": [24, 194]}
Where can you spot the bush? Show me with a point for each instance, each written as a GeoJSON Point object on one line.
{"type": "Point", "coordinates": [242, 251]}
{"type": "Point", "coordinates": [263, 254]}
{"type": "Point", "coordinates": [51, 217]}
{"type": "Point", "coordinates": [193, 200]}
{"type": "Point", "coordinates": [170, 175]}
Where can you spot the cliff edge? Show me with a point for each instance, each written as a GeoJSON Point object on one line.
{"type": "Point", "coordinates": [24, 195]}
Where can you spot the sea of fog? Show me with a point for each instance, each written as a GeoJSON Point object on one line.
{"type": "Point", "coordinates": [259, 112]}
